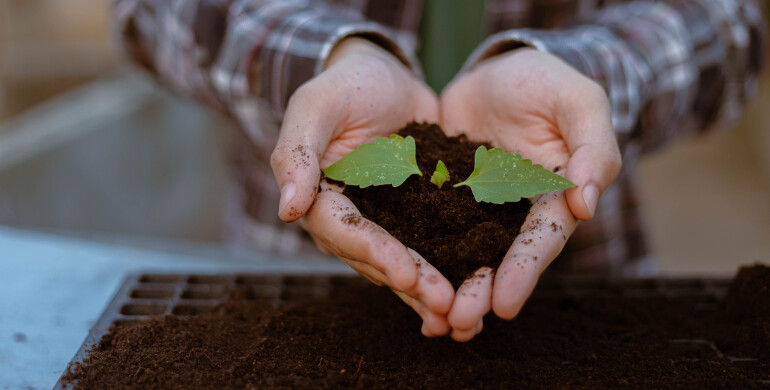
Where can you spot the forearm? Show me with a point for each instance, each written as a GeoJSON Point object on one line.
{"type": "Point", "coordinates": [239, 56]}
{"type": "Point", "coordinates": [659, 62]}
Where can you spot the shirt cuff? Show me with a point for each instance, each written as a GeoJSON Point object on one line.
{"type": "Point", "coordinates": [293, 43]}
{"type": "Point", "coordinates": [283, 71]}
{"type": "Point", "coordinates": [592, 50]}
{"type": "Point", "coordinates": [269, 52]}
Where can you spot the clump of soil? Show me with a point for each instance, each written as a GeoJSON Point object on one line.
{"type": "Point", "coordinates": [749, 295]}
{"type": "Point", "coordinates": [748, 305]}
{"type": "Point", "coordinates": [363, 337]}
{"type": "Point", "coordinates": [454, 233]}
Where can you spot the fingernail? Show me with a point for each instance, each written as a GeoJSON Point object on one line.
{"type": "Point", "coordinates": [287, 194]}
{"type": "Point", "coordinates": [591, 198]}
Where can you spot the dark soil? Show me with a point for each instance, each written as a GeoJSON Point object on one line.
{"type": "Point", "coordinates": [749, 296]}
{"type": "Point", "coordinates": [454, 233]}
{"type": "Point", "coordinates": [363, 337]}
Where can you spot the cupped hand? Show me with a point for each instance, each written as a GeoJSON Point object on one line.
{"type": "Point", "coordinates": [532, 103]}
{"type": "Point", "coordinates": [364, 92]}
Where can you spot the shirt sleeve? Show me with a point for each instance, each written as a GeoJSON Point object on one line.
{"type": "Point", "coordinates": [661, 63]}
{"type": "Point", "coordinates": [243, 57]}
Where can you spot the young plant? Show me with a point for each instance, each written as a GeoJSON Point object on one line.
{"type": "Point", "coordinates": [440, 175]}
{"type": "Point", "coordinates": [497, 177]}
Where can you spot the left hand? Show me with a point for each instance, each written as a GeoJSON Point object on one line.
{"type": "Point", "coordinates": [532, 103]}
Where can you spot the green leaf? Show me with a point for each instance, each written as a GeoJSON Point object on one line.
{"type": "Point", "coordinates": [441, 175]}
{"type": "Point", "coordinates": [385, 161]}
{"type": "Point", "coordinates": [499, 177]}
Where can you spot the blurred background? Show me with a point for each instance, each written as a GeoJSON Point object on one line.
{"type": "Point", "coordinates": [93, 150]}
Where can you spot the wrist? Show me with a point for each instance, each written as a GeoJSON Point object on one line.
{"type": "Point", "coordinates": [505, 49]}
{"type": "Point", "coordinates": [356, 45]}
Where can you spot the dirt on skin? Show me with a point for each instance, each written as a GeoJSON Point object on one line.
{"type": "Point", "coordinates": [452, 231]}
{"type": "Point", "coordinates": [363, 337]}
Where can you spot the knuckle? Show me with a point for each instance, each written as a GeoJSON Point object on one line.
{"type": "Point", "coordinates": [371, 255]}
{"type": "Point", "coordinates": [587, 92]}
{"type": "Point", "coordinates": [302, 95]}
{"type": "Point", "coordinates": [612, 161]}
{"type": "Point", "coordinates": [616, 161]}
{"type": "Point", "coordinates": [277, 157]}
{"type": "Point", "coordinates": [596, 93]}
{"type": "Point", "coordinates": [315, 97]}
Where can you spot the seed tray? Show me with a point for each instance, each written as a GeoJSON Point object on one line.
{"type": "Point", "coordinates": [144, 296]}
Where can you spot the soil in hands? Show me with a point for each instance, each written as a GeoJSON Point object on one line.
{"type": "Point", "coordinates": [447, 226]}
{"type": "Point", "coordinates": [364, 337]}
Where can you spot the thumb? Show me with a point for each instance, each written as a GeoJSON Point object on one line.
{"type": "Point", "coordinates": [595, 159]}
{"type": "Point", "coordinates": [592, 172]}
{"type": "Point", "coordinates": [305, 133]}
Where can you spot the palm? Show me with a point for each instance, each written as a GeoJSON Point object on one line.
{"type": "Point", "coordinates": [375, 105]}
{"type": "Point", "coordinates": [510, 109]}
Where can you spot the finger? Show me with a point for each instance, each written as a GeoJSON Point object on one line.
{"type": "Point", "coordinates": [585, 123]}
{"type": "Point", "coordinates": [433, 325]}
{"type": "Point", "coordinates": [308, 126]}
{"type": "Point", "coordinates": [545, 231]}
{"type": "Point", "coordinates": [432, 288]}
{"type": "Point", "coordinates": [367, 271]}
{"type": "Point", "coordinates": [338, 225]}
{"type": "Point", "coordinates": [466, 335]}
{"type": "Point", "coordinates": [472, 301]}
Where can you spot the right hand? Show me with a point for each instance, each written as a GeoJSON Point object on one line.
{"type": "Point", "coordinates": [364, 92]}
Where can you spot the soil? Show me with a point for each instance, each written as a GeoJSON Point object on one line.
{"type": "Point", "coordinates": [749, 296]}
{"type": "Point", "coordinates": [452, 231]}
{"type": "Point", "coordinates": [363, 337]}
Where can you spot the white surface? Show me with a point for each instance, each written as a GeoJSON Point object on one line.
{"type": "Point", "coordinates": [53, 289]}
{"type": "Point", "coordinates": [119, 156]}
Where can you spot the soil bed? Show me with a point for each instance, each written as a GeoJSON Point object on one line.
{"type": "Point", "coordinates": [363, 337]}
{"type": "Point", "coordinates": [454, 233]}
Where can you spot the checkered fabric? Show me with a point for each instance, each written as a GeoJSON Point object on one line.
{"type": "Point", "coordinates": [670, 68]}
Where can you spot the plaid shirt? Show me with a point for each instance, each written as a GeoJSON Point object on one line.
{"type": "Point", "coordinates": [669, 68]}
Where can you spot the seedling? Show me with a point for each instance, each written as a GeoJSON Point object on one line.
{"type": "Point", "coordinates": [497, 177]}
{"type": "Point", "coordinates": [440, 175]}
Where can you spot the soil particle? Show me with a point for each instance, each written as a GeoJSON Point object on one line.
{"type": "Point", "coordinates": [294, 213]}
{"type": "Point", "coordinates": [352, 219]}
{"type": "Point", "coordinates": [364, 337]}
{"type": "Point", "coordinates": [446, 226]}
{"type": "Point", "coordinates": [301, 158]}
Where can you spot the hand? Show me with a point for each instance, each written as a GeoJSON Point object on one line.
{"type": "Point", "coordinates": [532, 103]}
{"type": "Point", "coordinates": [364, 92]}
